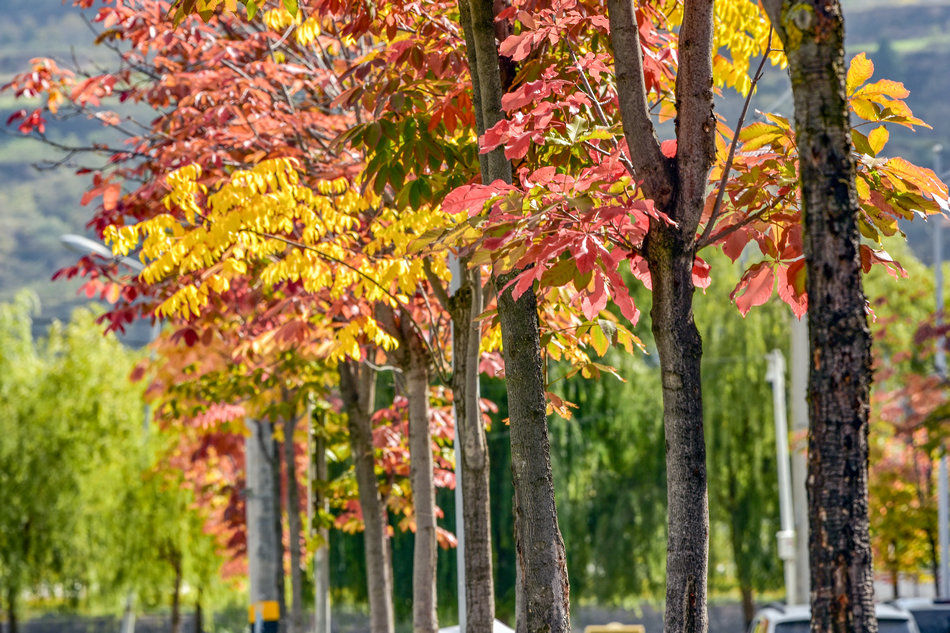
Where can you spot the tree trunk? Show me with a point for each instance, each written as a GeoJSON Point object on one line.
{"type": "Point", "coordinates": [538, 538]}
{"type": "Point", "coordinates": [465, 305]}
{"type": "Point", "coordinates": [544, 582]}
{"type": "Point", "coordinates": [748, 604]}
{"type": "Point", "coordinates": [295, 621]}
{"type": "Point", "coordinates": [424, 618]}
{"type": "Point", "coordinates": [263, 553]}
{"type": "Point", "coordinates": [319, 505]}
{"type": "Point", "coordinates": [176, 593]}
{"type": "Point", "coordinates": [274, 461]}
{"type": "Point", "coordinates": [812, 33]}
{"type": "Point", "coordinates": [357, 386]}
{"type": "Point", "coordinates": [199, 614]}
{"type": "Point", "coordinates": [680, 350]}
{"type": "Point", "coordinates": [678, 187]}
{"type": "Point", "coordinates": [13, 625]}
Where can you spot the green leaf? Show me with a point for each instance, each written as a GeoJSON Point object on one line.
{"type": "Point", "coordinates": [598, 340]}
{"type": "Point", "coordinates": [291, 6]}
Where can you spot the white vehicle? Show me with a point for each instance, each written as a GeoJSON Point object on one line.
{"type": "Point", "coordinates": [930, 615]}
{"type": "Point", "coordinates": [778, 618]}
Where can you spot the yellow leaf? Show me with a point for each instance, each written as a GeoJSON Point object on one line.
{"type": "Point", "coordinates": [860, 71]}
{"type": "Point", "coordinates": [878, 138]}
{"type": "Point", "coordinates": [598, 340]}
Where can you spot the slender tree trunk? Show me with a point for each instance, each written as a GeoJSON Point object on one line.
{"type": "Point", "coordinates": [13, 625]}
{"type": "Point", "coordinates": [812, 33]}
{"type": "Point", "coordinates": [544, 581]}
{"type": "Point", "coordinates": [199, 613]}
{"type": "Point", "coordinates": [357, 386]}
{"type": "Point", "coordinates": [424, 618]}
{"type": "Point", "coordinates": [680, 350]}
{"type": "Point", "coordinates": [678, 187]}
{"type": "Point", "coordinates": [319, 505]}
{"type": "Point", "coordinates": [275, 458]}
{"type": "Point", "coordinates": [176, 593]}
{"type": "Point", "coordinates": [465, 305]}
{"type": "Point", "coordinates": [295, 621]}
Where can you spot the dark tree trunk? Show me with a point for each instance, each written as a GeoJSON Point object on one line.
{"type": "Point", "coordinates": [812, 32]}
{"type": "Point", "coordinates": [295, 622]}
{"type": "Point", "coordinates": [680, 350]}
{"type": "Point", "coordinates": [748, 604]}
{"type": "Point", "coordinates": [678, 187]}
{"type": "Point", "coordinates": [176, 592]}
{"type": "Point", "coordinates": [13, 625]}
{"type": "Point", "coordinates": [357, 386]}
{"type": "Point", "coordinates": [538, 539]}
{"type": "Point", "coordinates": [544, 582]}
{"type": "Point", "coordinates": [199, 614]}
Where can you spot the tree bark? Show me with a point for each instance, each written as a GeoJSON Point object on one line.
{"type": "Point", "coordinates": [678, 187]}
{"type": "Point", "coordinates": [424, 619]}
{"type": "Point", "coordinates": [199, 613]}
{"type": "Point", "coordinates": [812, 33]}
{"type": "Point", "coordinates": [320, 505]}
{"type": "Point", "coordinates": [176, 592]}
{"type": "Point", "coordinates": [357, 386]}
{"type": "Point", "coordinates": [465, 305]}
{"type": "Point", "coordinates": [275, 459]}
{"type": "Point", "coordinates": [295, 621]}
{"type": "Point", "coordinates": [544, 581]}
{"type": "Point", "coordinates": [680, 350]}
{"type": "Point", "coordinates": [13, 625]}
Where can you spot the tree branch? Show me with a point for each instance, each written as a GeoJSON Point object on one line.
{"type": "Point", "coordinates": [644, 148]}
{"type": "Point", "coordinates": [714, 215]}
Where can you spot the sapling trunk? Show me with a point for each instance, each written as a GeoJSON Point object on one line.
{"type": "Point", "coordinates": [357, 387]}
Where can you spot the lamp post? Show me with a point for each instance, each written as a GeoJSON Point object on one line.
{"type": "Point", "coordinates": [940, 363]}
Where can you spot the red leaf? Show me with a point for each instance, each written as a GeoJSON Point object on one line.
{"type": "Point", "coordinates": [669, 148]}
{"type": "Point", "coordinates": [756, 286]}
{"type": "Point", "coordinates": [791, 286]}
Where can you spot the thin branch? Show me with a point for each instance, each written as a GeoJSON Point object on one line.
{"type": "Point", "coordinates": [714, 215]}
{"type": "Point", "coordinates": [729, 230]}
{"type": "Point", "coordinates": [645, 154]}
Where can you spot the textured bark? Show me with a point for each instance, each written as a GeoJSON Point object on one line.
{"type": "Point", "coordinates": [812, 33]}
{"type": "Point", "coordinates": [538, 539]}
{"type": "Point", "coordinates": [357, 387]}
{"type": "Point", "coordinates": [544, 582]}
{"type": "Point", "coordinates": [680, 350]}
{"type": "Point", "coordinates": [678, 187]}
{"type": "Point", "coordinates": [464, 306]}
{"type": "Point", "coordinates": [424, 618]}
{"type": "Point", "coordinates": [412, 356]}
{"type": "Point", "coordinates": [295, 621]}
